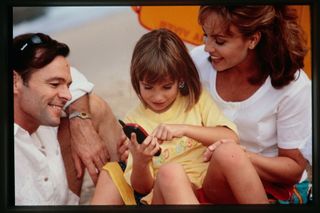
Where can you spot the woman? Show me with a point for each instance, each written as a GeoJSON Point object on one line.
{"type": "Point", "coordinates": [252, 64]}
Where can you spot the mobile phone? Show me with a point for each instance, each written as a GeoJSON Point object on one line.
{"type": "Point", "coordinates": [141, 134]}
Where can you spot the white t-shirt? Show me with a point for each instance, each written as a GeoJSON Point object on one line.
{"type": "Point", "coordinates": [40, 177]}
{"type": "Point", "coordinates": [270, 118]}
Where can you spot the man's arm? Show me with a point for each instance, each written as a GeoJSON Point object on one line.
{"type": "Point", "coordinates": [86, 144]}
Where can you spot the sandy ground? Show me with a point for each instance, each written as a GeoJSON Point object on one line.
{"type": "Point", "coordinates": [101, 50]}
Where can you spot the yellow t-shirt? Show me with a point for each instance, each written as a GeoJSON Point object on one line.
{"type": "Point", "coordinates": [184, 151]}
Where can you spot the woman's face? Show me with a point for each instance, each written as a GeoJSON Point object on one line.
{"type": "Point", "coordinates": [226, 51]}
{"type": "Point", "coordinates": [159, 96]}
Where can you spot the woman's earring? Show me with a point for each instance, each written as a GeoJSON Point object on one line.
{"type": "Point", "coordinates": [181, 84]}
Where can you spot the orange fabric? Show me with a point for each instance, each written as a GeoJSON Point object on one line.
{"type": "Point", "coordinates": [180, 19]}
{"type": "Point", "coordinates": [304, 21]}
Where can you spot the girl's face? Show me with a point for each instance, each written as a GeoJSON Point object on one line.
{"type": "Point", "coordinates": [226, 51]}
{"type": "Point", "coordinates": [159, 96]}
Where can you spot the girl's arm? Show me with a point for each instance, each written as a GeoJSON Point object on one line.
{"type": "Point", "coordinates": [205, 135]}
{"type": "Point", "coordinates": [141, 177]}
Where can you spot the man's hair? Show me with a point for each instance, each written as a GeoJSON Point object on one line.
{"type": "Point", "coordinates": [33, 51]}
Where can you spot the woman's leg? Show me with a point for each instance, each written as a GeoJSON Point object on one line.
{"type": "Point", "coordinates": [231, 177]}
{"type": "Point", "coordinates": [172, 186]}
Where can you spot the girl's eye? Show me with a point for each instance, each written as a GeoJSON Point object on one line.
{"type": "Point", "coordinates": [167, 86]}
{"type": "Point", "coordinates": [147, 87]}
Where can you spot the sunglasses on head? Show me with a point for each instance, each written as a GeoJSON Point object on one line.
{"type": "Point", "coordinates": [34, 40]}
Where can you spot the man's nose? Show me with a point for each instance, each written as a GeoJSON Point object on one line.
{"type": "Point", "coordinates": [65, 93]}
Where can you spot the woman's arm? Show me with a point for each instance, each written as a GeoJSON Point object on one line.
{"type": "Point", "coordinates": [286, 168]}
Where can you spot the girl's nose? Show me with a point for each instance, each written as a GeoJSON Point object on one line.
{"type": "Point", "coordinates": [158, 97]}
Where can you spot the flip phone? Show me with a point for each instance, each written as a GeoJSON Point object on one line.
{"type": "Point", "coordinates": [141, 134]}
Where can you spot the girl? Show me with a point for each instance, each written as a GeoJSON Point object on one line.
{"type": "Point", "coordinates": [179, 116]}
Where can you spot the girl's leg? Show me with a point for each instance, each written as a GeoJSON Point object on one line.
{"type": "Point", "coordinates": [231, 177]}
{"type": "Point", "coordinates": [106, 193]}
{"type": "Point", "coordinates": [172, 186]}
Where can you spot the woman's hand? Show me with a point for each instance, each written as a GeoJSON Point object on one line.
{"type": "Point", "coordinates": [210, 149]}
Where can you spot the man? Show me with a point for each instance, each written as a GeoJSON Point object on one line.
{"type": "Point", "coordinates": [41, 79]}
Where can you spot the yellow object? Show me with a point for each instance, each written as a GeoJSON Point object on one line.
{"type": "Point", "coordinates": [183, 20]}
{"type": "Point", "coordinates": [116, 174]}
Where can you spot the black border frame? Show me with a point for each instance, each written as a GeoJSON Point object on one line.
{"type": "Point", "coordinates": [6, 111]}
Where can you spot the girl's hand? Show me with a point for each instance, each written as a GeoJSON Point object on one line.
{"type": "Point", "coordinates": [210, 149]}
{"type": "Point", "coordinates": [143, 153]}
{"type": "Point", "coordinates": [166, 132]}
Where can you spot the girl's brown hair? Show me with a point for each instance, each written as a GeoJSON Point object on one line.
{"type": "Point", "coordinates": [282, 47]}
{"type": "Point", "coordinates": [160, 54]}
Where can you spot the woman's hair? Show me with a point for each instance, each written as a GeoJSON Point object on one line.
{"type": "Point", "coordinates": [33, 51]}
{"type": "Point", "coordinates": [282, 47]}
{"type": "Point", "coordinates": [160, 54]}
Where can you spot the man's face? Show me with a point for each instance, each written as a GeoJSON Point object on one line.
{"type": "Point", "coordinates": [40, 100]}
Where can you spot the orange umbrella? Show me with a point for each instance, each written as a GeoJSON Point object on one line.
{"type": "Point", "coordinates": [183, 21]}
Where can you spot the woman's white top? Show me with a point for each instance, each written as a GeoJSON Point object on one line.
{"type": "Point", "coordinates": [270, 118]}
